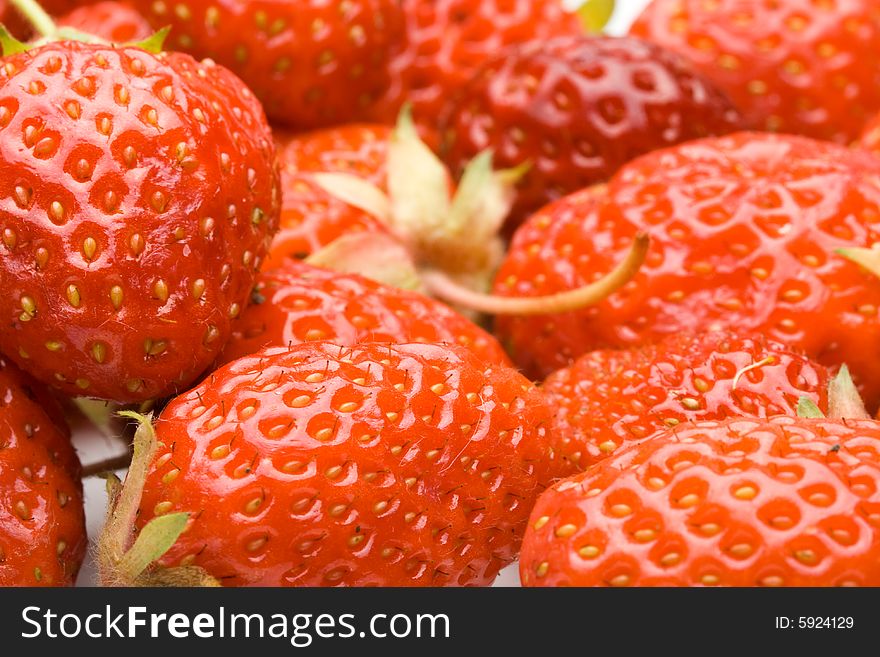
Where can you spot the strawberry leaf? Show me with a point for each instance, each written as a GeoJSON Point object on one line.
{"type": "Point", "coordinates": [844, 400]}
{"type": "Point", "coordinates": [9, 44]}
{"type": "Point", "coordinates": [807, 408]}
{"type": "Point", "coordinates": [595, 14]}
{"type": "Point", "coordinates": [153, 43]}
{"type": "Point", "coordinates": [154, 540]}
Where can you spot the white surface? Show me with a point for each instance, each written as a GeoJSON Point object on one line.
{"type": "Point", "coordinates": [93, 447]}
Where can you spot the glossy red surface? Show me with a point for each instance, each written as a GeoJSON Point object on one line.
{"type": "Point", "coordinates": [368, 465]}
{"type": "Point", "coordinates": [744, 231]}
{"type": "Point", "coordinates": [740, 502]}
{"type": "Point", "coordinates": [139, 194]}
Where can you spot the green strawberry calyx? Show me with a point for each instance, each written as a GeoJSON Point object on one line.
{"type": "Point", "coordinates": [49, 31]}
{"type": "Point", "coordinates": [595, 14]}
{"type": "Point", "coordinates": [844, 400]}
{"type": "Point", "coordinates": [445, 240]}
{"type": "Point", "coordinates": [129, 559]}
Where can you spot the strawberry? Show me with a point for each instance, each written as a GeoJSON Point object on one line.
{"type": "Point", "coordinates": [606, 400]}
{"type": "Point", "coordinates": [744, 231]}
{"type": "Point", "coordinates": [448, 40]}
{"type": "Point", "coordinates": [798, 66]}
{"type": "Point", "coordinates": [316, 465]}
{"type": "Point", "coordinates": [299, 303]}
{"type": "Point", "coordinates": [117, 22]}
{"type": "Point", "coordinates": [360, 199]}
{"type": "Point", "coordinates": [577, 109]}
{"type": "Point", "coordinates": [312, 63]}
{"type": "Point", "coordinates": [18, 25]}
{"type": "Point", "coordinates": [312, 217]}
{"type": "Point", "coordinates": [783, 501]}
{"type": "Point", "coordinates": [42, 523]}
{"type": "Point", "coordinates": [140, 194]}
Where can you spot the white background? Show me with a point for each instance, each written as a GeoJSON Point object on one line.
{"type": "Point", "coordinates": [94, 447]}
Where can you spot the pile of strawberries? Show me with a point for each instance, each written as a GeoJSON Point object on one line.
{"type": "Point", "coordinates": [397, 292]}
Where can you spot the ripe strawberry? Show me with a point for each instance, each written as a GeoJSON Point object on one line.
{"type": "Point", "coordinates": [312, 63]}
{"type": "Point", "coordinates": [117, 22]}
{"type": "Point", "coordinates": [312, 217]}
{"type": "Point", "coordinates": [798, 66]}
{"type": "Point", "coordinates": [608, 399]}
{"type": "Point", "coordinates": [366, 465]}
{"type": "Point", "coordinates": [735, 502]}
{"type": "Point", "coordinates": [744, 231]}
{"type": "Point", "coordinates": [299, 303]}
{"type": "Point", "coordinates": [140, 194]}
{"type": "Point", "coordinates": [42, 523]}
{"type": "Point", "coordinates": [448, 40]}
{"type": "Point", "coordinates": [578, 109]}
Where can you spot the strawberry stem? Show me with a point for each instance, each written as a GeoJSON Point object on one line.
{"type": "Point", "coordinates": [443, 287]}
{"type": "Point", "coordinates": [37, 17]}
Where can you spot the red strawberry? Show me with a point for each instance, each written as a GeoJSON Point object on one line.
{"type": "Point", "coordinates": [744, 231]}
{"type": "Point", "coordinates": [366, 465]}
{"type": "Point", "coordinates": [299, 303]}
{"type": "Point", "coordinates": [140, 194]}
{"type": "Point", "coordinates": [312, 63]}
{"type": "Point", "coordinates": [736, 502]}
{"type": "Point", "coordinates": [42, 523]}
{"type": "Point", "coordinates": [311, 217]}
{"type": "Point", "coordinates": [12, 19]}
{"type": "Point", "coordinates": [117, 22]}
{"type": "Point", "coordinates": [608, 399]}
{"type": "Point", "coordinates": [577, 109]}
{"type": "Point", "coordinates": [798, 66]}
{"type": "Point", "coordinates": [448, 40]}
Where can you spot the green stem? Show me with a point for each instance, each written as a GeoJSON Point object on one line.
{"type": "Point", "coordinates": [36, 16]}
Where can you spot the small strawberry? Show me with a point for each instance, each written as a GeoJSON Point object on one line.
{"type": "Point", "coordinates": [42, 523]}
{"type": "Point", "coordinates": [609, 399]}
{"type": "Point", "coordinates": [448, 40]}
{"type": "Point", "coordinates": [117, 22]}
{"type": "Point", "coordinates": [299, 303]}
{"type": "Point", "coordinates": [139, 195]}
{"type": "Point", "coordinates": [311, 216]}
{"type": "Point", "coordinates": [737, 502]}
{"type": "Point", "coordinates": [577, 109]}
{"type": "Point", "coordinates": [384, 465]}
{"type": "Point", "coordinates": [798, 66]}
{"type": "Point", "coordinates": [744, 231]}
{"type": "Point", "coordinates": [312, 63]}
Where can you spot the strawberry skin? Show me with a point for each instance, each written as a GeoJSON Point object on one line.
{"type": "Point", "coordinates": [609, 399]}
{"type": "Point", "coordinates": [312, 63]}
{"type": "Point", "coordinates": [139, 196]}
{"type": "Point", "coordinates": [117, 22]}
{"type": "Point", "coordinates": [870, 139]}
{"type": "Point", "coordinates": [798, 66]}
{"type": "Point", "coordinates": [738, 502]}
{"type": "Point", "coordinates": [743, 234]}
{"type": "Point", "coordinates": [377, 464]}
{"type": "Point", "coordinates": [448, 40]}
{"type": "Point", "coordinates": [311, 217]}
{"type": "Point", "coordinates": [42, 522]}
{"type": "Point", "coordinates": [299, 303]}
{"type": "Point", "coordinates": [578, 109]}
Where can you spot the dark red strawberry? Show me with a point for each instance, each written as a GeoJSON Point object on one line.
{"type": "Point", "coordinates": [140, 194]}
{"type": "Point", "coordinates": [448, 40]}
{"type": "Point", "coordinates": [312, 217]}
{"type": "Point", "coordinates": [312, 63]}
{"type": "Point", "coordinates": [299, 303]}
{"type": "Point", "coordinates": [737, 502]}
{"type": "Point", "coordinates": [42, 523]}
{"type": "Point", "coordinates": [799, 66]}
{"type": "Point", "coordinates": [117, 22]}
{"type": "Point", "coordinates": [390, 465]}
{"type": "Point", "coordinates": [744, 231]}
{"type": "Point", "coordinates": [609, 399]}
{"type": "Point", "coordinates": [577, 109]}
